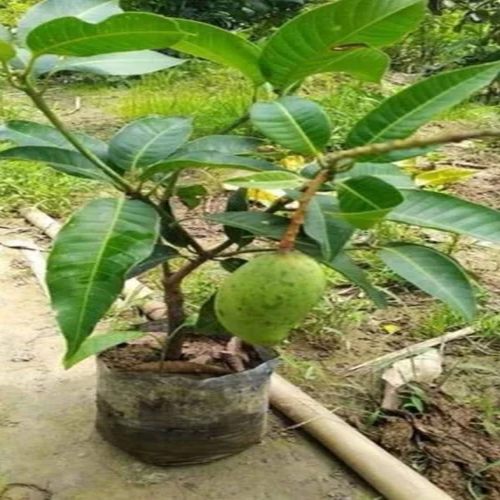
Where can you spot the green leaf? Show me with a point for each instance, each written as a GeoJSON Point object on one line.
{"type": "Point", "coordinates": [226, 144]}
{"type": "Point", "coordinates": [191, 196]}
{"type": "Point", "coordinates": [161, 253]}
{"type": "Point", "coordinates": [62, 160]}
{"type": "Point", "coordinates": [364, 201]}
{"type": "Point", "coordinates": [257, 223]}
{"type": "Point", "coordinates": [433, 272]}
{"type": "Point", "coordinates": [329, 232]}
{"type": "Point", "coordinates": [70, 36]}
{"type": "Point", "coordinates": [24, 133]}
{"type": "Point", "coordinates": [93, 11]}
{"type": "Point", "coordinates": [338, 36]}
{"type": "Point", "coordinates": [133, 63]}
{"type": "Point", "coordinates": [238, 202]}
{"type": "Point", "coordinates": [7, 51]}
{"type": "Point", "coordinates": [207, 322]}
{"type": "Point", "coordinates": [148, 141]}
{"type": "Point", "coordinates": [388, 172]}
{"type": "Point", "coordinates": [171, 230]}
{"type": "Point", "coordinates": [89, 261]}
{"type": "Point", "coordinates": [96, 344]}
{"type": "Point", "coordinates": [268, 180]}
{"type": "Point", "coordinates": [232, 264]}
{"type": "Point", "coordinates": [265, 226]}
{"type": "Point", "coordinates": [447, 213]}
{"type": "Point", "coordinates": [343, 264]}
{"type": "Point", "coordinates": [296, 123]}
{"type": "Point", "coordinates": [209, 159]}
{"type": "Point", "coordinates": [220, 46]}
{"type": "Point", "coordinates": [401, 115]}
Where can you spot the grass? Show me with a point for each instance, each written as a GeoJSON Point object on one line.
{"type": "Point", "coordinates": [214, 97]}
{"type": "Point", "coordinates": [27, 183]}
{"type": "Point", "coordinates": [479, 114]}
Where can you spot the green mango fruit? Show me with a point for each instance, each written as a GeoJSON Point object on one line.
{"type": "Point", "coordinates": [263, 300]}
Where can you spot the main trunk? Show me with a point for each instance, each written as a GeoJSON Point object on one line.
{"type": "Point", "coordinates": [174, 300]}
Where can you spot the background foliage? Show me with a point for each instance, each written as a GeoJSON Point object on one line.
{"type": "Point", "coordinates": [258, 14]}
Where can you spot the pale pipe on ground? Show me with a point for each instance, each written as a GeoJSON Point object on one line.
{"type": "Point", "coordinates": [391, 477]}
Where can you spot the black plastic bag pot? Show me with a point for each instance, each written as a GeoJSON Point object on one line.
{"type": "Point", "coordinates": [168, 419]}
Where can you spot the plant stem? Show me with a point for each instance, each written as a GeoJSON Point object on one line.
{"type": "Point", "coordinates": [332, 159]}
{"type": "Point", "coordinates": [174, 300]}
{"type": "Point", "coordinates": [287, 243]}
{"type": "Point", "coordinates": [40, 103]}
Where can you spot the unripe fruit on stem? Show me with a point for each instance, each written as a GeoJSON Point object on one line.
{"type": "Point", "coordinates": [264, 299]}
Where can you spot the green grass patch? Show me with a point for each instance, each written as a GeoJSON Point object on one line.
{"type": "Point", "coordinates": [474, 112]}
{"type": "Point", "coordinates": [26, 183]}
{"type": "Point", "coordinates": [214, 97]}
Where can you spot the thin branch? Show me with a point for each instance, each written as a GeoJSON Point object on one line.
{"type": "Point", "coordinates": [287, 243]}
{"type": "Point", "coordinates": [40, 103]}
{"type": "Point", "coordinates": [243, 251]}
{"type": "Point", "coordinates": [332, 159]}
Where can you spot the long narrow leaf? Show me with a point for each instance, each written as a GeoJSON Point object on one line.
{"type": "Point", "coordinates": [434, 273]}
{"type": "Point", "coordinates": [70, 36]}
{"type": "Point", "coordinates": [445, 212]}
{"type": "Point", "coordinates": [68, 162]}
{"type": "Point", "coordinates": [401, 115]}
{"type": "Point", "coordinates": [296, 123]}
{"type": "Point", "coordinates": [91, 256]}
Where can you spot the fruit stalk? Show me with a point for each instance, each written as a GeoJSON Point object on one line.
{"type": "Point", "coordinates": [287, 243]}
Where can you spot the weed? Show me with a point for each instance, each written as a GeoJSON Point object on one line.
{"type": "Point", "coordinates": [413, 399]}
{"type": "Point", "coordinates": [298, 370]}
{"type": "Point", "coordinates": [477, 480]}
{"type": "Point", "coordinates": [438, 320]}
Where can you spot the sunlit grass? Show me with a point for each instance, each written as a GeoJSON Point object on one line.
{"type": "Point", "coordinates": [213, 97]}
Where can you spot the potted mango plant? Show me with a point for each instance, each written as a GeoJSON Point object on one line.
{"type": "Point", "coordinates": [154, 400]}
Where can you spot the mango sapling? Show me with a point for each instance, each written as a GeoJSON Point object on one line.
{"type": "Point", "coordinates": [344, 188]}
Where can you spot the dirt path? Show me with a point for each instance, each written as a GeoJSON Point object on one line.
{"type": "Point", "coordinates": [47, 438]}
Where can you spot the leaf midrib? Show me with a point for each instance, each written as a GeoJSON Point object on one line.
{"type": "Point", "coordinates": [302, 134]}
{"type": "Point", "coordinates": [95, 269]}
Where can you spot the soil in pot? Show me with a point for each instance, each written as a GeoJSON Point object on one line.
{"type": "Point", "coordinates": [190, 411]}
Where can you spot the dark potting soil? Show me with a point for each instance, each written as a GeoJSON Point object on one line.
{"type": "Point", "coordinates": [204, 356]}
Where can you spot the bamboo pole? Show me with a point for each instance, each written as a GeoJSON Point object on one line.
{"type": "Point", "coordinates": [388, 475]}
